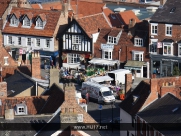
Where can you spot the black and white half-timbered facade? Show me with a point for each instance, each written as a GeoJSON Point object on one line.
{"type": "Point", "coordinates": [75, 46]}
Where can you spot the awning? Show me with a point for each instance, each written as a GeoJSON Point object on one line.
{"type": "Point", "coordinates": [132, 64]}
{"type": "Point", "coordinates": [100, 79]}
{"type": "Point", "coordinates": [105, 62]}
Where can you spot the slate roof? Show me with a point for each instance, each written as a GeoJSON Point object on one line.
{"type": "Point", "coordinates": [20, 123]}
{"type": "Point", "coordinates": [142, 91]}
{"type": "Point", "coordinates": [18, 83]}
{"type": "Point", "coordinates": [56, 98]}
{"type": "Point", "coordinates": [92, 23]}
{"type": "Point", "coordinates": [163, 15]}
{"type": "Point", "coordinates": [52, 18]}
{"type": "Point", "coordinates": [161, 111]}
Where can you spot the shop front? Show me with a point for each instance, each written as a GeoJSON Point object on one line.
{"type": "Point", "coordinates": [164, 66]}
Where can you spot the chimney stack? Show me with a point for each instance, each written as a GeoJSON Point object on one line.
{"type": "Point", "coordinates": [128, 82]}
{"type": "Point", "coordinates": [35, 66]}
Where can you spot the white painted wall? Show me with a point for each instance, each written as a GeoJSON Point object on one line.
{"type": "Point", "coordinates": [33, 42]}
{"type": "Point", "coordinates": [94, 37]}
{"type": "Point", "coordinates": [126, 118]}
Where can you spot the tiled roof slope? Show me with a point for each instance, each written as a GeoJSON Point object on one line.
{"type": "Point", "coordinates": [164, 15]}
{"type": "Point", "coordinates": [55, 100]}
{"type": "Point", "coordinates": [161, 111]}
{"type": "Point", "coordinates": [52, 5]}
{"type": "Point", "coordinates": [142, 91]}
{"type": "Point", "coordinates": [126, 16]}
{"type": "Point", "coordinates": [92, 23]}
{"type": "Point", "coordinates": [3, 6]}
{"type": "Point", "coordinates": [86, 8]}
{"type": "Point", "coordinates": [51, 23]}
{"type": "Point", "coordinates": [34, 103]}
{"type": "Point", "coordinates": [36, 6]}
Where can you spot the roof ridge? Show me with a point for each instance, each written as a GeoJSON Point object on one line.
{"type": "Point", "coordinates": [89, 16]}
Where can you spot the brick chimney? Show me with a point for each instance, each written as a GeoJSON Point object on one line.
{"type": "Point", "coordinates": [35, 66]}
{"type": "Point", "coordinates": [132, 26]}
{"type": "Point", "coordinates": [128, 82]}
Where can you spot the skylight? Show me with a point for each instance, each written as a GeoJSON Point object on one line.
{"type": "Point", "coordinates": [174, 110]}
{"type": "Point", "coordinates": [173, 10]}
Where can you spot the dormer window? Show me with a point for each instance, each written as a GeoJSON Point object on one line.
{"type": "Point", "coordinates": [112, 40]}
{"type": "Point", "coordinates": [26, 22]}
{"type": "Point", "coordinates": [13, 21]}
{"type": "Point", "coordinates": [21, 109]}
{"type": "Point", "coordinates": [39, 23]}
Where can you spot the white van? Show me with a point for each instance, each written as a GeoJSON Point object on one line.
{"type": "Point", "coordinates": [100, 93]}
{"type": "Point", "coordinates": [119, 75]}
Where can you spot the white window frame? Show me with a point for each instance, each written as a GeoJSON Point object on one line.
{"type": "Point", "coordinates": [76, 39]}
{"type": "Point", "coordinates": [13, 21]}
{"type": "Point", "coordinates": [112, 40]}
{"type": "Point", "coordinates": [37, 42]}
{"type": "Point", "coordinates": [138, 42]}
{"type": "Point", "coordinates": [179, 49]}
{"type": "Point", "coordinates": [47, 45]}
{"type": "Point", "coordinates": [153, 41]}
{"type": "Point", "coordinates": [154, 29]}
{"type": "Point", "coordinates": [19, 40]}
{"type": "Point", "coordinates": [23, 112]}
{"type": "Point", "coordinates": [29, 41]}
{"type": "Point", "coordinates": [10, 40]}
{"type": "Point", "coordinates": [26, 22]}
{"type": "Point", "coordinates": [171, 47]}
{"type": "Point", "coordinates": [6, 61]}
{"type": "Point", "coordinates": [134, 53]}
{"type": "Point", "coordinates": [72, 58]}
{"type": "Point", "coordinates": [39, 23]}
{"type": "Point", "coordinates": [104, 52]}
{"type": "Point", "coordinates": [166, 30]}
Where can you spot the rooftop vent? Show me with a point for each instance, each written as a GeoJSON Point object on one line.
{"type": "Point", "coordinates": [173, 10]}
{"type": "Point", "coordinates": [174, 110]}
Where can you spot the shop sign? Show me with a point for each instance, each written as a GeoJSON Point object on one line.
{"type": "Point", "coordinates": [169, 60]}
{"type": "Point", "coordinates": [69, 118]}
{"type": "Point", "coordinates": [20, 51]}
{"type": "Point", "coordinates": [159, 44]}
{"type": "Point", "coordinates": [107, 46]}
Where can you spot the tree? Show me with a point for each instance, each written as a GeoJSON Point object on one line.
{"type": "Point", "coordinates": [176, 71]}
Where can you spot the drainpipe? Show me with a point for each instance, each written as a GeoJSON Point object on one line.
{"type": "Point", "coordinates": [36, 89]}
{"type": "Point", "coordinates": [119, 54]}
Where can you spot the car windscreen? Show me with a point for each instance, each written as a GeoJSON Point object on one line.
{"type": "Point", "coordinates": [107, 93]}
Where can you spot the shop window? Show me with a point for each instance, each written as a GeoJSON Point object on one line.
{"type": "Point", "coordinates": [19, 40]}
{"type": "Point", "coordinates": [38, 42]}
{"type": "Point", "coordinates": [167, 49]}
{"type": "Point", "coordinates": [28, 41]}
{"type": "Point", "coordinates": [6, 61]}
{"type": "Point", "coordinates": [10, 40]}
{"type": "Point", "coordinates": [107, 55]}
{"type": "Point", "coordinates": [112, 40]}
{"type": "Point", "coordinates": [168, 30]}
{"type": "Point", "coordinates": [138, 42]}
{"type": "Point", "coordinates": [76, 39]}
{"type": "Point", "coordinates": [73, 58]}
{"type": "Point", "coordinates": [47, 43]}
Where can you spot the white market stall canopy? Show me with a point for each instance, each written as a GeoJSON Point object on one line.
{"type": "Point", "coordinates": [105, 62]}
{"type": "Point", "coordinates": [100, 79]}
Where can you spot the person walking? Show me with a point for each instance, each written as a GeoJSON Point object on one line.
{"type": "Point", "coordinates": [87, 97]}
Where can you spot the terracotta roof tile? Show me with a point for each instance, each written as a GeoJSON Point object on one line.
{"type": "Point", "coordinates": [93, 23]}
{"type": "Point", "coordinates": [3, 6]}
{"type": "Point", "coordinates": [17, 14]}
{"type": "Point", "coordinates": [34, 104]}
{"type": "Point", "coordinates": [127, 15]}
{"type": "Point", "coordinates": [114, 32]}
{"type": "Point", "coordinates": [51, 23]}
{"type": "Point", "coordinates": [82, 7]}
{"type": "Point", "coordinates": [52, 5]}
{"type": "Point", "coordinates": [35, 6]}
{"type": "Point", "coordinates": [43, 16]}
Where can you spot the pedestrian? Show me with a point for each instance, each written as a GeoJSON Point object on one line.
{"type": "Point", "coordinates": [52, 63]}
{"type": "Point", "coordinates": [87, 97]}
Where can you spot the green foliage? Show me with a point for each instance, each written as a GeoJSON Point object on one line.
{"type": "Point", "coordinates": [176, 71]}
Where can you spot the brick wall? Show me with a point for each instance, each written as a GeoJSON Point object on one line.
{"type": "Point", "coordinates": [128, 82]}
{"type": "Point", "coordinates": [3, 89]}
{"type": "Point", "coordinates": [35, 67]}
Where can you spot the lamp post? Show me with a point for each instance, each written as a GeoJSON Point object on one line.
{"type": "Point", "coordinates": [112, 104]}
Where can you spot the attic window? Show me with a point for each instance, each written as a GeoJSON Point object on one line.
{"type": "Point", "coordinates": [13, 21]}
{"type": "Point", "coordinates": [174, 110]}
{"type": "Point", "coordinates": [21, 109]}
{"type": "Point", "coordinates": [173, 10]}
{"type": "Point", "coordinates": [39, 23]}
{"type": "Point", "coordinates": [135, 99]}
{"type": "Point", "coordinates": [112, 40]}
{"type": "Point", "coordinates": [26, 22]}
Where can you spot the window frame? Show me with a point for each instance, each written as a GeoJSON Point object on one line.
{"type": "Point", "coordinates": [38, 42]}
{"type": "Point", "coordinates": [6, 60]}
{"type": "Point", "coordinates": [138, 43]}
{"type": "Point", "coordinates": [153, 29]}
{"type": "Point", "coordinates": [47, 45]}
{"type": "Point", "coordinates": [76, 39]}
{"type": "Point", "coordinates": [13, 21]}
{"type": "Point", "coordinates": [73, 57]}
{"type": "Point", "coordinates": [26, 22]}
{"type": "Point", "coordinates": [109, 54]}
{"type": "Point", "coordinates": [39, 23]}
{"type": "Point", "coordinates": [134, 53]}
{"type": "Point", "coordinates": [179, 49]}
{"type": "Point", "coordinates": [153, 41]}
{"type": "Point", "coordinates": [10, 40]}
{"type": "Point", "coordinates": [166, 30]}
{"type": "Point", "coordinates": [112, 40]}
{"type": "Point", "coordinates": [171, 47]}
{"type": "Point", "coordinates": [19, 40]}
{"type": "Point", "coordinates": [29, 41]}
